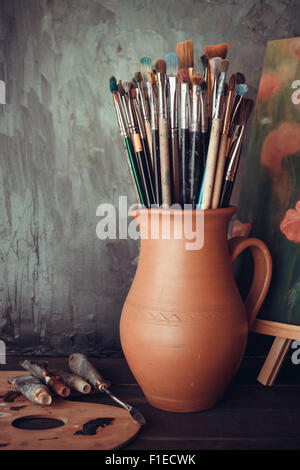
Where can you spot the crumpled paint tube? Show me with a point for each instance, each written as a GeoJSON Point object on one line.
{"type": "Point", "coordinates": [32, 388]}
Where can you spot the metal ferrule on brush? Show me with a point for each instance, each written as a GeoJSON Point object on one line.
{"type": "Point", "coordinates": [143, 103]}
{"type": "Point", "coordinates": [232, 167]}
{"type": "Point", "coordinates": [162, 95]}
{"type": "Point", "coordinates": [139, 119]}
{"type": "Point", "coordinates": [217, 111]}
{"type": "Point", "coordinates": [125, 109]}
{"type": "Point", "coordinates": [227, 113]}
{"type": "Point", "coordinates": [121, 118]}
{"type": "Point", "coordinates": [173, 104]}
{"type": "Point", "coordinates": [132, 121]}
{"type": "Point", "coordinates": [153, 106]}
{"type": "Point", "coordinates": [184, 105]}
{"type": "Point", "coordinates": [195, 122]}
{"type": "Point", "coordinates": [203, 112]}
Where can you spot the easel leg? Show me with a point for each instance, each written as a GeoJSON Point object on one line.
{"type": "Point", "coordinates": [274, 360]}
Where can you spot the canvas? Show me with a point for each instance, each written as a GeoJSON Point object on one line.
{"type": "Point", "coordinates": [270, 195]}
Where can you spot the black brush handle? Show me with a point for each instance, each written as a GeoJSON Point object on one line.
{"type": "Point", "coordinates": [175, 167]}
{"type": "Point", "coordinates": [196, 167]}
{"type": "Point", "coordinates": [184, 165]}
{"type": "Point", "coordinates": [156, 165]}
{"type": "Point", "coordinates": [140, 158]}
{"type": "Point", "coordinates": [146, 162]}
{"type": "Point", "coordinates": [226, 193]}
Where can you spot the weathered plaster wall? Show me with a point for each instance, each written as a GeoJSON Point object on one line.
{"type": "Point", "coordinates": [60, 155]}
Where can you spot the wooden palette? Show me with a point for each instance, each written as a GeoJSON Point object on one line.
{"type": "Point", "coordinates": [82, 426]}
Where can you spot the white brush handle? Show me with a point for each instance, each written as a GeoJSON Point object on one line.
{"type": "Point", "coordinates": [212, 156]}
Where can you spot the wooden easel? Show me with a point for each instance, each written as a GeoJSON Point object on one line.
{"type": "Point", "coordinates": [284, 335]}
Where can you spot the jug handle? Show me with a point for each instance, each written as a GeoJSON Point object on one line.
{"type": "Point", "coordinates": [262, 272]}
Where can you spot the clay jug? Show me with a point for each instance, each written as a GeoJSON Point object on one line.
{"type": "Point", "coordinates": [184, 326]}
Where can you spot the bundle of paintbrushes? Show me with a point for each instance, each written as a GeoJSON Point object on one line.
{"type": "Point", "coordinates": [183, 131]}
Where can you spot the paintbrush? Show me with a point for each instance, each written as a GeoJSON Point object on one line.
{"type": "Point", "coordinates": [140, 146]}
{"type": "Point", "coordinates": [32, 388]}
{"type": "Point", "coordinates": [144, 106]}
{"type": "Point", "coordinates": [245, 112]}
{"type": "Point", "coordinates": [136, 142]}
{"type": "Point", "coordinates": [204, 120]}
{"type": "Point", "coordinates": [123, 123]}
{"type": "Point", "coordinates": [184, 133]}
{"type": "Point", "coordinates": [212, 152]}
{"type": "Point", "coordinates": [204, 61]}
{"type": "Point", "coordinates": [124, 101]}
{"type": "Point", "coordinates": [215, 70]}
{"type": "Point", "coordinates": [241, 91]}
{"type": "Point", "coordinates": [185, 53]}
{"type": "Point", "coordinates": [79, 364]}
{"type": "Point", "coordinates": [53, 381]}
{"type": "Point", "coordinates": [223, 145]}
{"type": "Point", "coordinates": [146, 70]}
{"type": "Point", "coordinates": [204, 136]}
{"type": "Point", "coordinates": [218, 50]}
{"type": "Point", "coordinates": [164, 151]}
{"type": "Point", "coordinates": [196, 157]}
{"type": "Point", "coordinates": [172, 64]}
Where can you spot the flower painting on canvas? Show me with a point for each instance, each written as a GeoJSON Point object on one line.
{"type": "Point", "coordinates": [270, 198]}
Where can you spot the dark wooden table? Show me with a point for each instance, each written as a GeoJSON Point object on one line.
{"type": "Point", "coordinates": [250, 415]}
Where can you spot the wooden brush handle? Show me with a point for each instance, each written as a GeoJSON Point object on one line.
{"type": "Point", "coordinates": [212, 155]}
{"type": "Point", "coordinates": [219, 172]}
{"type": "Point", "coordinates": [165, 161]}
{"type": "Point", "coordinates": [149, 139]}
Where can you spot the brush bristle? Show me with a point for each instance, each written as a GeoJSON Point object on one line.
{"type": "Point", "coordinates": [146, 66]}
{"type": "Point", "coordinates": [184, 75]}
{"type": "Point", "coordinates": [160, 66]}
{"type": "Point", "coordinates": [241, 89]}
{"type": "Point", "coordinates": [113, 86]}
{"type": "Point", "coordinates": [120, 88]}
{"type": "Point", "coordinates": [223, 66]}
{"type": "Point", "coordinates": [240, 78]}
{"type": "Point", "coordinates": [197, 79]}
{"type": "Point", "coordinates": [138, 77]}
{"type": "Point", "coordinates": [172, 64]}
{"type": "Point", "coordinates": [231, 85]}
{"type": "Point", "coordinates": [204, 61]}
{"type": "Point", "coordinates": [126, 86]}
{"type": "Point", "coordinates": [185, 52]}
{"type": "Point", "coordinates": [225, 91]}
{"type": "Point", "coordinates": [219, 50]}
{"type": "Point", "coordinates": [133, 93]}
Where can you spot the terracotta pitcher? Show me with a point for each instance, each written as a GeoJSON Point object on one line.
{"type": "Point", "coordinates": [184, 325]}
